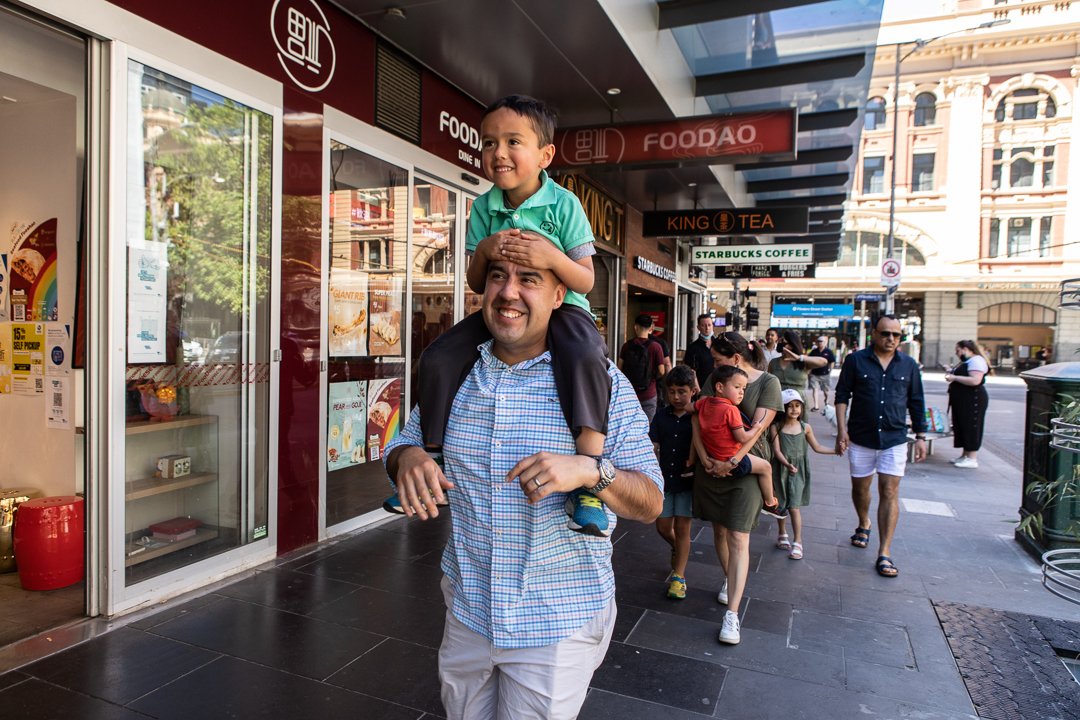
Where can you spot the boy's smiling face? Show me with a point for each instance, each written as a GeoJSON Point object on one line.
{"type": "Point", "coordinates": [512, 155]}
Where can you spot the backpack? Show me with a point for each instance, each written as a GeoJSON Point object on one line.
{"type": "Point", "coordinates": [637, 366]}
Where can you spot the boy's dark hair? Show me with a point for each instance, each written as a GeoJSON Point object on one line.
{"type": "Point", "coordinates": [644, 321]}
{"type": "Point", "coordinates": [681, 375]}
{"type": "Point", "coordinates": [725, 372]}
{"type": "Point", "coordinates": [541, 115]}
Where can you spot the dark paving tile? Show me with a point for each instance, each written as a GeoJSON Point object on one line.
{"type": "Point", "coordinates": [121, 665]}
{"type": "Point", "coordinates": [294, 643]}
{"type": "Point", "coordinates": [651, 566]}
{"type": "Point", "coordinates": [37, 700]}
{"type": "Point", "coordinates": [626, 618]}
{"type": "Point", "coordinates": [396, 671]}
{"type": "Point", "coordinates": [400, 578]}
{"type": "Point", "coordinates": [875, 642]}
{"type": "Point", "coordinates": [149, 620]}
{"type": "Point", "coordinates": [659, 677]}
{"type": "Point", "coordinates": [767, 616]}
{"type": "Point", "coordinates": [405, 618]}
{"type": "Point", "coordinates": [9, 679]}
{"type": "Point", "coordinates": [758, 651]}
{"type": "Point", "coordinates": [935, 684]}
{"type": "Point", "coordinates": [232, 688]}
{"type": "Point", "coordinates": [600, 705]}
{"type": "Point", "coordinates": [700, 600]}
{"type": "Point", "coordinates": [283, 589]}
{"type": "Point", "coordinates": [752, 695]}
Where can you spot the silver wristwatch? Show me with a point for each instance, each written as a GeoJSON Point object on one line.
{"type": "Point", "coordinates": [607, 474]}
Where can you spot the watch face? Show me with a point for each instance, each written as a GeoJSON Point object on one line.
{"type": "Point", "coordinates": [607, 470]}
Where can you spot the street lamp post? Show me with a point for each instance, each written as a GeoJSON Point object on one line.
{"type": "Point", "coordinates": [919, 44]}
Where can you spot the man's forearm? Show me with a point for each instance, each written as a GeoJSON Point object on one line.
{"type": "Point", "coordinates": [634, 496]}
{"type": "Point", "coordinates": [841, 418]}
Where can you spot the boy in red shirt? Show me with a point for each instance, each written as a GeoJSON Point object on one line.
{"type": "Point", "coordinates": [720, 430]}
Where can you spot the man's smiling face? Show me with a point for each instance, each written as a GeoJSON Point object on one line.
{"type": "Point", "coordinates": [518, 302]}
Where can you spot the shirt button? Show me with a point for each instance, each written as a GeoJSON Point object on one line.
{"type": "Point", "coordinates": [516, 216]}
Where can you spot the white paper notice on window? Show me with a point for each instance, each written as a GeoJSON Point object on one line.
{"type": "Point", "coordinates": [58, 402]}
{"type": "Point", "coordinates": [147, 303]}
{"type": "Point", "coordinates": [57, 349]}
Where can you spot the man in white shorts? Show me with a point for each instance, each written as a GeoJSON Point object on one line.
{"type": "Point", "coordinates": [883, 386]}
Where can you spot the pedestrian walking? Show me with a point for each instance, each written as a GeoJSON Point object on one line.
{"type": "Point", "coordinates": [821, 377]}
{"type": "Point", "coordinates": [530, 603]}
{"type": "Point", "coordinates": [772, 337]}
{"type": "Point", "coordinates": [791, 436]}
{"type": "Point", "coordinates": [698, 354]}
{"type": "Point", "coordinates": [968, 401]}
{"type": "Point", "coordinates": [642, 361]}
{"type": "Point", "coordinates": [672, 434]}
{"type": "Point", "coordinates": [733, 506]}
{"type": "Point", "coordinates": [793, 366]}
{"type": "Point", "coordinates": [883, 386]}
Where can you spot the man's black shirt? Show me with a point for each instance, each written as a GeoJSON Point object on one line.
{"type": "Point", "coordinates": [699, 357]}
{"type": "Point", "coordinates": [881, 398]}
{"type": "Point", "coordinates": [828, 355]}
{"type": "Point", "coordinates": [675, 436]}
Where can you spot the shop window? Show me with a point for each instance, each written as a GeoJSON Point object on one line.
{"type": "Point", "coordinates": [370, 211]}
{"type": "Point", "coordinates": [925, 109]}
{"type": "Point", "coordinates": [1017, 313]}
{"type": "Point", "coordinates": [200, 220]}
{"type": "Point", "coordinates": [874, 118]}
{"type": "Point", "coordinates": [873, 175]}
{"type": "Point", "coordinates": [922, 172]}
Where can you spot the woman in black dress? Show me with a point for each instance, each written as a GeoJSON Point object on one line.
{"type": "Point", "coordinates": [967, 401]}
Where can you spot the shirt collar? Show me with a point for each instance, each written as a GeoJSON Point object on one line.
{"type": "Point", "coordinates": [544, 196]}
{"type": "Point", "coordinates": [492, 363]}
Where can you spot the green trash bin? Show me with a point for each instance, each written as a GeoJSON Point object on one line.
{"type": "Point", "coordinates": [1051, 452]}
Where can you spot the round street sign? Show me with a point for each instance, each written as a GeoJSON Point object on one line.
{"type": "Point", "coordinates": [890, 272]}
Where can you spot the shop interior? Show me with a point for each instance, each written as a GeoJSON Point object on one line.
{"type": "Point", "coordinates": [42, 130]}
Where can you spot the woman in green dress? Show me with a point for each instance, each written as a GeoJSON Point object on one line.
{"type": "Point", "coordinates": [793, 367]}
{"type": "Point", "coordinates": [732, 504]}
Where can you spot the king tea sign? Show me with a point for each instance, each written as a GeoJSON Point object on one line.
{"type": "Point", "coordinates": [752, 254]}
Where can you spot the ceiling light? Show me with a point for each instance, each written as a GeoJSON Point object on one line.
{"type": "Point", "coordinates": [691, 184]}
{"type": "Point", "coordinates": [613, 91]}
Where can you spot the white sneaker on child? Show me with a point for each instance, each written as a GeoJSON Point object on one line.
{"type": "Point", "coordinates": [729, 633]}
{"type": "Point", "coordinates": [722, 597]}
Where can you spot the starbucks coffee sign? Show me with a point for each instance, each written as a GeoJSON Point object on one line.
{"type": "Point", "coordinates": [751, 254]}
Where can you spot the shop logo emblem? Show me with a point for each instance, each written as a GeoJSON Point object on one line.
{"type": "Point", "coordinates": [306, 52]}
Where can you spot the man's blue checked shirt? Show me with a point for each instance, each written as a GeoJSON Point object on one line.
{"type": "Point", "coordinates": [520, 576]}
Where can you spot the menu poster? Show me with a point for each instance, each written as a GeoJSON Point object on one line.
{"type": "Point", "coordinates": [346, 423]}
{"type": "Point", "coordinates": [5, 358]}
{"type": "Point", "coordinates": [4, 282]}
{"type": "Point", "coordinates": [28, 358]}
{"type": "Point", "coordinates": [148, 269]}
{"type": "Point", "coordinates": [348, 313]}
{"type": "Point", "coordinates": [33, 288]}
{"type": "Point", "coordinates": [385, 335]}
{"type": "Point", "coordinates": [384, 414]}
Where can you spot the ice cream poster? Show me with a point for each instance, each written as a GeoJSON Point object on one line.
{"type": "Point", "coordinates": [346, 424]}
{"type": "Point", "coordinates": [383, 414]}
{"type": "Point", "coordinates": [32, 292]}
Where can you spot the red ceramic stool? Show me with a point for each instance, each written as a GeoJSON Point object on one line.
{"type": "Point", "coordinates": [49, 542]}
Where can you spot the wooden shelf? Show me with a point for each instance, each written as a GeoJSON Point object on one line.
{"type": "Point", "coordinates": [146, 487]}
{"type": "Point", "coordinates": [201, 535]}
{"type": "Point", "coordinates": [181, 421]}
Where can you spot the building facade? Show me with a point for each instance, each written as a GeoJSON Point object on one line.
{"type": "Point", "coordinates": [986, 204]}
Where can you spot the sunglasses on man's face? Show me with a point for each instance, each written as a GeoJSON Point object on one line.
{"type": "Point", "coordinates": [889, 333]}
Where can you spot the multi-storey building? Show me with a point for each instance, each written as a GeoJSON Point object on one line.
{"type": "Point", "coordinates": [986, 207]}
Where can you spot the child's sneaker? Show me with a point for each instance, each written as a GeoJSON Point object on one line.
{"type": "Point", "coordinates": [392, 504]}
{"type": "Point", "coordinates": [587, 514]}
{"type": "Point", "coordinates": [676, 589]}
{"type": "Point", "coordinates": [775, 510]}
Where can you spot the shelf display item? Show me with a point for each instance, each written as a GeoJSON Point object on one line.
{"type": "Point", "coordinates": [174, 466]}
{"type": "Point", "coordinates": [158, 400]}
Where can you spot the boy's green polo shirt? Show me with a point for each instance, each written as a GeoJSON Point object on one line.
{"type": "Point", "coordinates": [552, 211]}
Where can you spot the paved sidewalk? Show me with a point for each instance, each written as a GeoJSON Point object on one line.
{"type": "Point", "coordinates": [350, 629]}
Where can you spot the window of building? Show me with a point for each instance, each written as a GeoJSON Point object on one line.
{"type": "Point", "coordinates": [922, 172]}
{"type": "Point", "coordinates": [860, 248]}
{"type": "Point", "coordinates": [875, 114]}
{"type": "Point", "coordinates": [1020, 237]}
{"type": "Point", "coordinates": [1017, 313]}
{"type": "Point", "coordinates": [925, 109]}
{"type": "Point", "coordinates": [873, 175]}
{"type": "Point", "coordinates": [1024, 167]}
{"type": "Point", "coordinates": [1024, 104]}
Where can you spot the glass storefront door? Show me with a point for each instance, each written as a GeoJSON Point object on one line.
{"type": "Point", "coordinates": [369, 213]}
{"type": "Point", "coordinates": [199, 248]}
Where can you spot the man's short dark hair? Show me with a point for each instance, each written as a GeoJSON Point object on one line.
{"type": "Point", "coordinates": [644, 321]}
{"type": "Point", "coordinates": [541, 115]}
{"type": "Point", "coordinates": [703, 316]}
{"type": "Point", "coordinates": [681, 375]}
{"type": "Point", "coordinates": [885, 316]}
{"type": "Point", "coordinates": [725, 372]}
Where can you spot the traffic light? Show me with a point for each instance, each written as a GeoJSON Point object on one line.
{"type": "Point", "coordinates": [752, 315]}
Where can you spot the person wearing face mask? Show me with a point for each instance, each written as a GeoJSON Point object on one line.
{"type": "Point", "coordinates": [698, 353]}
{"type": "Point", "coordinates": [967, 402]}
